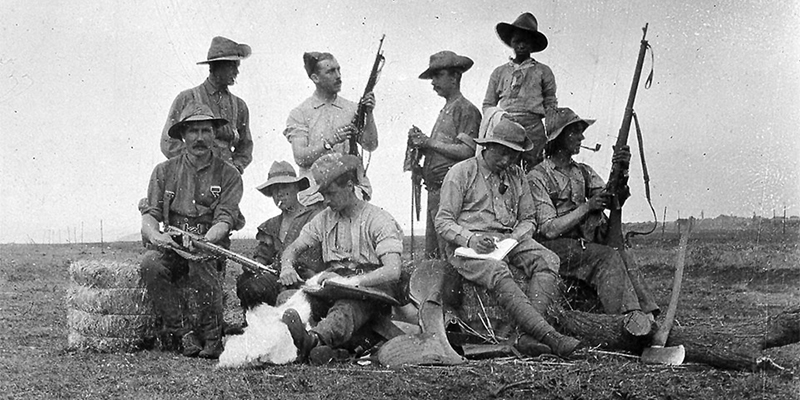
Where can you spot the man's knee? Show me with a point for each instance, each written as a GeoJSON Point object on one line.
{"type": "Point", "coordinates": [152, 267]}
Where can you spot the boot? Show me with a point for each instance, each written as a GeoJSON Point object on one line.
{"type": "Point", "coordinates": [522, 312]}
{"type": "Point", "coordinates": [531, 347]}
{"type": "Point", "coordinates": [191, 344]}
{"type": "Point", "coordinates": [543, 290]}
{"type": "Point", "coordinates": [212, 349]}
{"type": "Point", "coordinates": [304, 341]}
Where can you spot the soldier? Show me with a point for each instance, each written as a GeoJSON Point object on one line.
{"type": "Point", "coordinates": [322, 124]}
{"type": "Point", "coordinates": [523, 87]}
{"type": "Point", "coordinates": [232, 142]}
{"type": "Point", "coordinates": [361, 246]}
{"type": "Point", "coordinates": [569, 201]}
{"type": "Point", "coordinates": [451, 139]}
{"type": "Point", "coordinates": [282, 185]}
{"type": "Point", "coordinates": [198, 192]}
{"type": "Point", "coordinates": [486, 198]}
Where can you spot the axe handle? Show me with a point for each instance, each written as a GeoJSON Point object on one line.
{"type": "Point", "coordinates": [660, 338]}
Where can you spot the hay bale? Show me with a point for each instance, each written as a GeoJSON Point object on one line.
{"type": "Point", "coordinates": [125, 301]}
{"type": "Point", "coordinates": [105, 274]}
{"type": "Point", "coordinates": [77, 341]}
{"type": "Point", "coordinates": [112, 325]}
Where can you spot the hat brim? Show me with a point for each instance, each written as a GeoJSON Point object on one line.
{"type": "Point", "coordinates": [431, 71]}
{"type": "Point", "coordinates": [505, 31]}
{"type": "Point", "coordinates": [527, 145]}
{"type": "Point", "coordinates": [556, 133]}
{"type": "Point", "coordinates": [175, 130]}
{"type": "Point", "coordinates": [265, 188]}
{"type": "Point", "coordinates": [245, 50]}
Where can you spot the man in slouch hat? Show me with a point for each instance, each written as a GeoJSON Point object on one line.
{"type": "Point", "coordinates": [200, 193]}
{"type": "Point", "coordinates": [361, 246]}
{"type": "Point", "coordinates": [523, 88]}
{"type": "Point", "coordinates": [282, 185]}
{"type": "Point", "coordinates": [484, 199]}
{"type": "Point", "coordinates": [451, 139]}
{"type": "Point", "coordinates": [322, 124]}
{"type": "Point", "coordinates": [233, 142]}
{"type": "Point", "coordinates": [569, 200]}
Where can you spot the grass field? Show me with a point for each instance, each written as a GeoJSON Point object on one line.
{"type": "Point", "coordinates": [734, 282]}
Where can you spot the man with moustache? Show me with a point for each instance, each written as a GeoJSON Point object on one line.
{"type": "Point", "coordinates": [233, 142]}
{"type": "Point", "coordinates": [451, 139]}
{"type": "Point", "coordinates": [322, 124]}
{"type": "Point", "coordinates": [200, 193]}
{"type": "Point", "coordinates": [486, 198]}
{"type": "Point", "coordinates": [569, 201]}
{"type": "Point", "coordinates": [361, 246]}
{"type": "Point", "coordinates": [282, 185]}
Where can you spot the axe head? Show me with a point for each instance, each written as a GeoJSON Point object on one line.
{"type": "Point", "coordinates": [673, 355]}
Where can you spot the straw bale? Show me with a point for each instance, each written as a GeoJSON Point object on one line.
{"type": "Point", "coordinates": [126, 301]}
{"type": "Point", "coordinates": [105, 273]}
{"type": "Point", "coordinates": [78, 341]}
{"type": "Point", "coordinates": [111, 326]}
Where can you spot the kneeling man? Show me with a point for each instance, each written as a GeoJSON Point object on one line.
{"type": "Point", "coordinates": [360, 242]}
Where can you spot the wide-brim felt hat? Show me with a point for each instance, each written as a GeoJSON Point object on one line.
{"type": "Point", "coordinates": [510, 134]}
{"type": "Point", "coordinates": [561, 118]}
{"type": "Point", "coordinates": [281, 172]}
{"type": "Point", "coordinates": [446, 59]}
{"type": "Point", "coordinates": [224, 49]}
{"type": "Point", "coordinates": [331, 166]}
{"type": "Point", "coordinates": [526, 23]}
{"type": "Point", "coordinates": [194, 112]}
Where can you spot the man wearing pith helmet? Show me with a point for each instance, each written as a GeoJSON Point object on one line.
{"type": "Point", "coordinates": [486, 198]}
{"type": "Point", "coordinates": [524, 88]}
{"type": "Point", "coordinates": [361, 246]}
{"type": "Point", "coordinates": [569, 201]}
{"type": "Point", "coordinates": [282, 185]}
{"type": "Point", "coordinates": [451, 139]}
{"type": "Point", "coordinates": [200, 193]}
{"type": "Point", "coordinates": [233, 142]}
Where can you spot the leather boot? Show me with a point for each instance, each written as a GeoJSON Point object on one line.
{"type": "Point", "coordinates": [522, 312]}
{"type": "Point", "coordinates": [304, 341]}
{"type": "Point", "coordinates": [543, 291]}
{"type": "Point", "coordinates": [191, 344]}
{"type": "Point", "coordinates": [213, 343]}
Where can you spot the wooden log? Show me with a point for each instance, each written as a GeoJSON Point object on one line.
{"type": "Point", "coordinates": [783, 329]}
{"type": "Point", "coordinates": [714, 349]}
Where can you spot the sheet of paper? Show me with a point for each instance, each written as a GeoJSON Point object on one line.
{"type": "Point", "coordinates": [503, 248]}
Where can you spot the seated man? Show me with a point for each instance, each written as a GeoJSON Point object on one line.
{"type": "Point", "coordinates": [198, 192]}
{"type": "Point", "coordinates": [359, 241]}
{"type": "Point", "coordinates": [257, 287]}
{"type": "Point", "coordinates": [568, 197]}
{"type": "Point", "coordinates": [485, 198]}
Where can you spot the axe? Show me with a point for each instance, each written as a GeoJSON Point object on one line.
{"type": "Point", "coordinates": [658, 353]}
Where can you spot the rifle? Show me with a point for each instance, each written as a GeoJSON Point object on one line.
{"type": "Point", "coordinates": [220, 251]}
{"type": "Point", "coordinates": [618, 178]}
{"type": "Point", "coordinates": [360, 120]}
{"type": "Point", "coordinates": [411, 163]}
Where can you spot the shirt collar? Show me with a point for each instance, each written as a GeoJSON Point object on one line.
{"type": "Point", "coordinates": [525, 64]}
{"type": "Point", "coordinates": [319, 101]}
{"type": "Point", "coordinates": [211, 89]}
{"type": "Point", "coordinates": [200, 164]}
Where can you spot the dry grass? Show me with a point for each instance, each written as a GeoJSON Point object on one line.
{"type": "Point", "coordinates": [733, 285]}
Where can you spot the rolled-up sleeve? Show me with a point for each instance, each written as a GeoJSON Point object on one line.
{"type": "Point", "coordinates": [155, 193]}
{"type": "Point", "coordinates": [492, 94]}
{"type": "Point", "coordinates": [386, 234]}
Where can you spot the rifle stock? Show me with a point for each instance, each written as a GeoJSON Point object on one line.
{"type": "Point", "coordinates": [619, 173]}
{"type": "Point", "coordinates": [360, 119]}
{"type": "Point", "coordinates": [220, 251]}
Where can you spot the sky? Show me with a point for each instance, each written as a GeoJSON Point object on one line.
{"type": "Point", "coordinates": [85, 88]}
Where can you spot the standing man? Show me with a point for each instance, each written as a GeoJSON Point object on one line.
{"type": "Point", "coordinates": [570, 198]}
{"type": "Point", "coordinates": [232, 142]}
{"type": "Point", "coordinates": [282, 185]}
{"type": "Point", "coordinates": [523, 87]}
{"type": "Point", "coordinates": [361, 246]}
{"type": "Point", "coordinates": [322, 124]}
{"type": "Point", "coordinates": [486, 198]}
{"type": "Point", "coordinates": [452, 136]}
{"type": "Point", "coordinates": [198, 192]}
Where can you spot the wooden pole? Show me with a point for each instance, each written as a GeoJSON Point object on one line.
{"type": "Point", "coordinates": [664, 223]}
{"type": "Point", "coordinates": [101, 236]}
